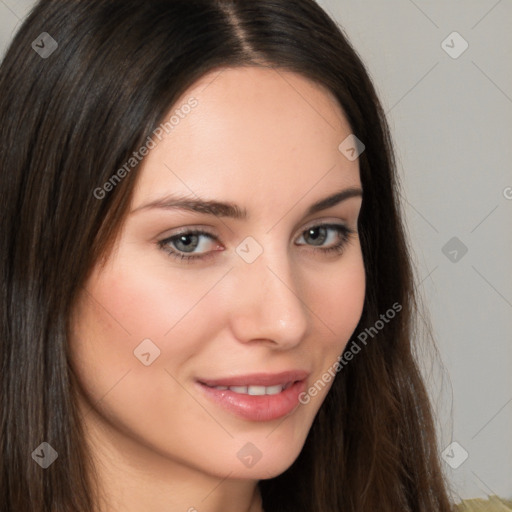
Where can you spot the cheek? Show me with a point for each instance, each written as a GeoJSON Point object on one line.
{"type": "Point", "coordinates": [338, 298]}
{"type": "Point", "coordinates": [144, 301]}
{"type": "Point", "coordinates": [118, 310]}
{"type": "Point", "coordinates": [127, 303]}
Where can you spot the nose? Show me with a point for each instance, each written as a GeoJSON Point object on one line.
{"type": "Point", "coordinates": [267, 302]}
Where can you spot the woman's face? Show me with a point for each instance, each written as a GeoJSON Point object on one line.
{"type": "Point", "coordinates": [268, 299]}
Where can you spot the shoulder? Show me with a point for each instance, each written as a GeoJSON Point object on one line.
{"type": "Point", "coordinates": [492, 504]}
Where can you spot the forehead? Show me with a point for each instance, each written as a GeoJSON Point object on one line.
{"type": "Point", "coordinates": [251, 132]}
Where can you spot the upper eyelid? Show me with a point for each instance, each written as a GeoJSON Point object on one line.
{"type": "Point", "coordinates": [314, 223]}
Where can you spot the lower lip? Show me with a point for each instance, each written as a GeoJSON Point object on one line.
{"type": "Point", "coordinates": [260, 407]}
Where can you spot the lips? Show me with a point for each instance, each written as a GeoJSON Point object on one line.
{"type": "Point", "coordinates": [257, 397]}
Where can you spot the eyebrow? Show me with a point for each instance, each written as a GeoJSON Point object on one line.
{"type": "Point", "coordinates": [221, 209]}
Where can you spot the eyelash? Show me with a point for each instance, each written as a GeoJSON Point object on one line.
{"type": "Point", "coordinates": [343, 232]}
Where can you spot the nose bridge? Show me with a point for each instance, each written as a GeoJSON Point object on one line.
{"type": "Point", "coordinates": [269, 304]}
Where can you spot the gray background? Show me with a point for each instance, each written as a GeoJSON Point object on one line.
{"type": "Point", "coordinates": [451, 122]}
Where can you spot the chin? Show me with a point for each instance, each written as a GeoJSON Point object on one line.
{"type": "Point", "coordinates": [266, 455]}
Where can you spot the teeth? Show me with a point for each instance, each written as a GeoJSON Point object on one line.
{"type": "Point", "coordinates": [239, 389]}
{"type": "Point", "coordinates": [274, 390]}
{"type": "Point", "coordinates": [255, 390]}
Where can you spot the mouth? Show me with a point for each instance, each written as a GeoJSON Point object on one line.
{"type": "Point", "coordinates": [255, 390]}
{"type": "Point", "coordinates": [256, 397]}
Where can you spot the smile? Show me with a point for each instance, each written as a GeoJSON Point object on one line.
{"type": "Point", "coordinates": [254, 390]}
{"type": "Point", "coordinates": [256, 397]}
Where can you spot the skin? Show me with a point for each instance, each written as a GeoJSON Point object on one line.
{"type": "Point", "coordinates": [266, 140]}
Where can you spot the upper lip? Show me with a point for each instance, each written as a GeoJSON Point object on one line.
{"type": "Point", "coordinates": [258, 379]}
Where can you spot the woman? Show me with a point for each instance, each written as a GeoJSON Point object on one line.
{"type": "Point", "coordinates": [207, 298]}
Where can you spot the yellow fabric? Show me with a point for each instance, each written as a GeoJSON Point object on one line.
{"type": "Point", "coordinates": [493, 504]}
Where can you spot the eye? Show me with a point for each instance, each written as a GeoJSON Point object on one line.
{"type": "Point", "coordinates": [327, 237]}
{"type": "Point", "coordinates": [197, 244]}
{"type": "Point", "coordinates": [190, 245]}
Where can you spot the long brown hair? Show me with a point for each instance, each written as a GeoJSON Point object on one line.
{"type": "Point", "coordinates": [69, 121]}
